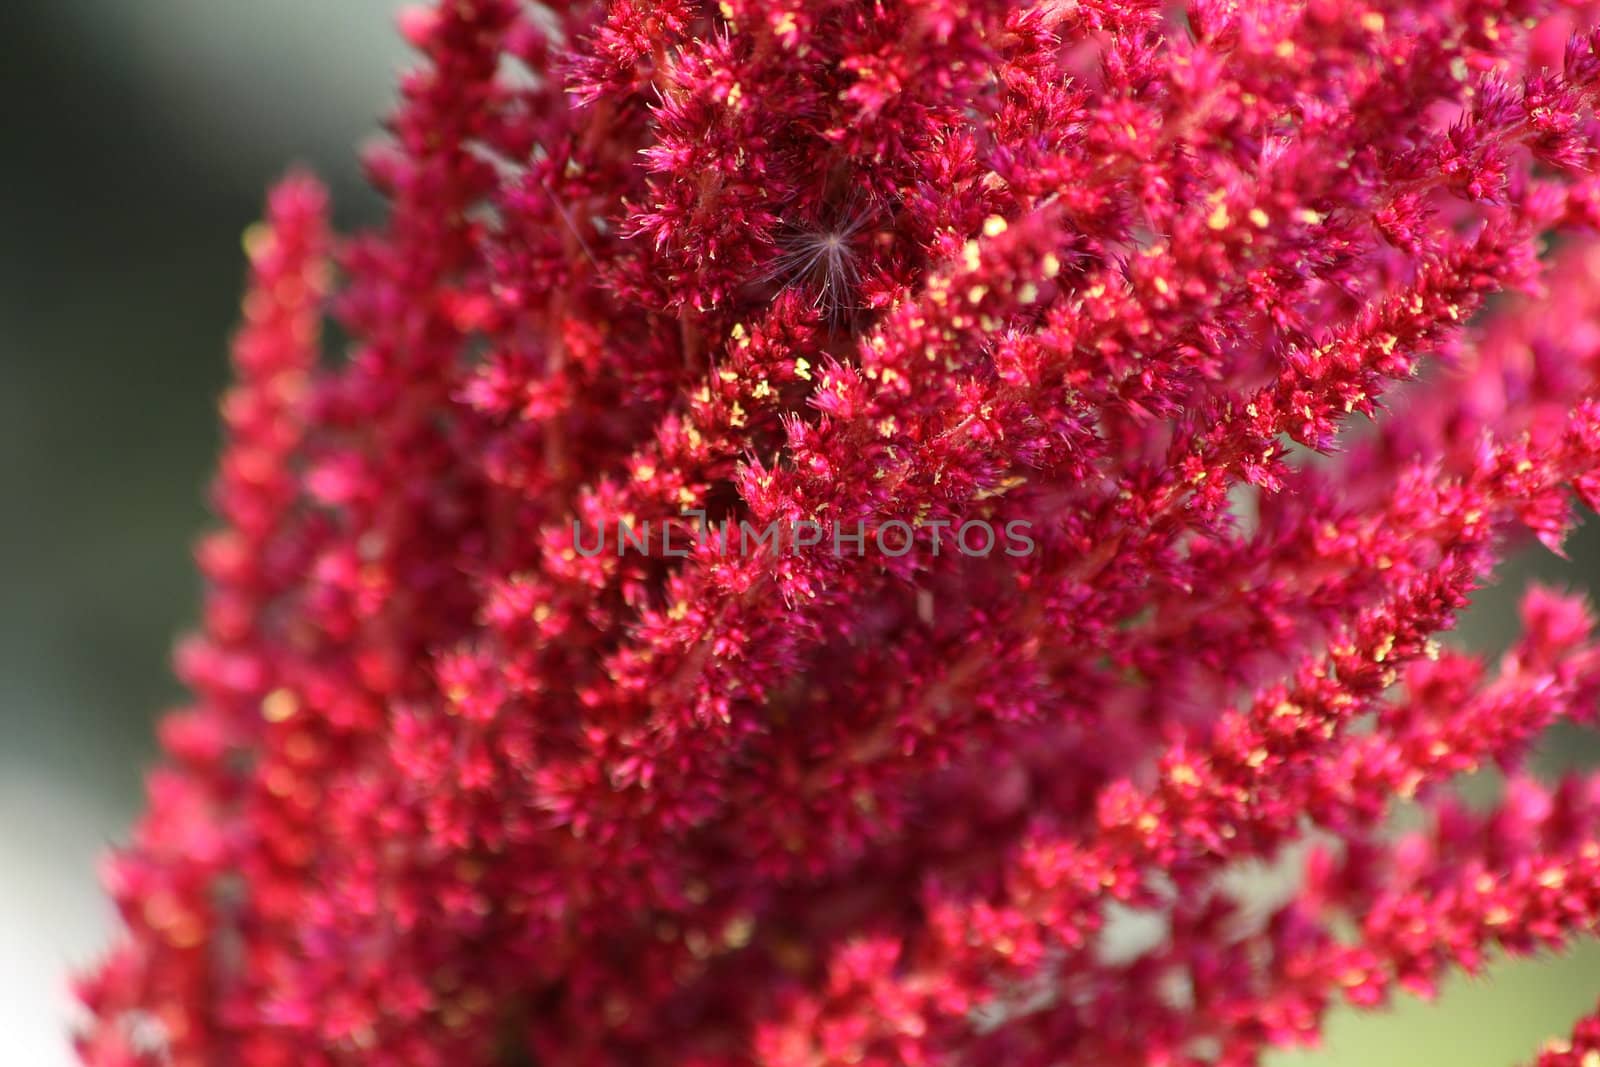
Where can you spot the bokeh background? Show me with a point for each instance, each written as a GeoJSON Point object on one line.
{"type": "Point", "coordinates": [138, 136]}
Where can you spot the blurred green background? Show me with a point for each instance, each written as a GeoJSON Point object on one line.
{"type": "Point", "coordinates": [138, 138]}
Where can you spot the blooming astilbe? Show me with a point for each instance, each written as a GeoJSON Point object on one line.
{"type": "Point", "coordinates": [455, 790]}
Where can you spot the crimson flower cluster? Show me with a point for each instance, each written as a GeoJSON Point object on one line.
{"type": "Point", "coordinates": [1277, 323]}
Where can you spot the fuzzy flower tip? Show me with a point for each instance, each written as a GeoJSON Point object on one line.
{"type": "Point", "coordinates": [454, 787]}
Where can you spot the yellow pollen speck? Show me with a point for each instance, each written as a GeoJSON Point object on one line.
{"type": "Point", "coordinates": [977, 293]}
{"type": "Point", "coordinates": [255, 239]}
{"type": "Point", "coordinates": [802, 368]}
{"type": "Point", "coordinates": [1162, 287]}
{"type": "Point", "coordinates": [727, 375]}
{"type": "Point", "coordinates": [279, 705]}
{"type": "Point", "coordinates": [1051, 265]}
{"type": "Point", "coordinates": [1027, 293]}
{"type": "Point", "coordinates": [969, 255]}
{"type": "Point", "coordinates": [1385, 646]}
{"type": "Point", "coordinates": [644, 472]}
{"type": "Point", "coordinates": [734, 94]}
{"type": "Point", "coordinates": [1590, 1059]}
{"type": "Point", "coordinates": [736, 416]}
{"type": "Point", "coordinates": [994, 226]}
{"type": "Point", "coordinates": [737, 933]}
{"type": "Point", "coordinates": [1258, 218]}
{"type": "Point", "coordinates": [726, 9]}
{"type": "Point", "coordinates": [886, 426]}
{"type": "Point", "coordinates": [678, 610]}
{"type": "Point", "coordinates": [1372, 22]}
{"type": "Point", "coordinates": [762, 390]}
{"type": "Point", "coordinates": [1219, 218]}
{"type": "Point", "coordinates": [1284, 50]}
{"type": "Point", "coordinates": [1183, 774]}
